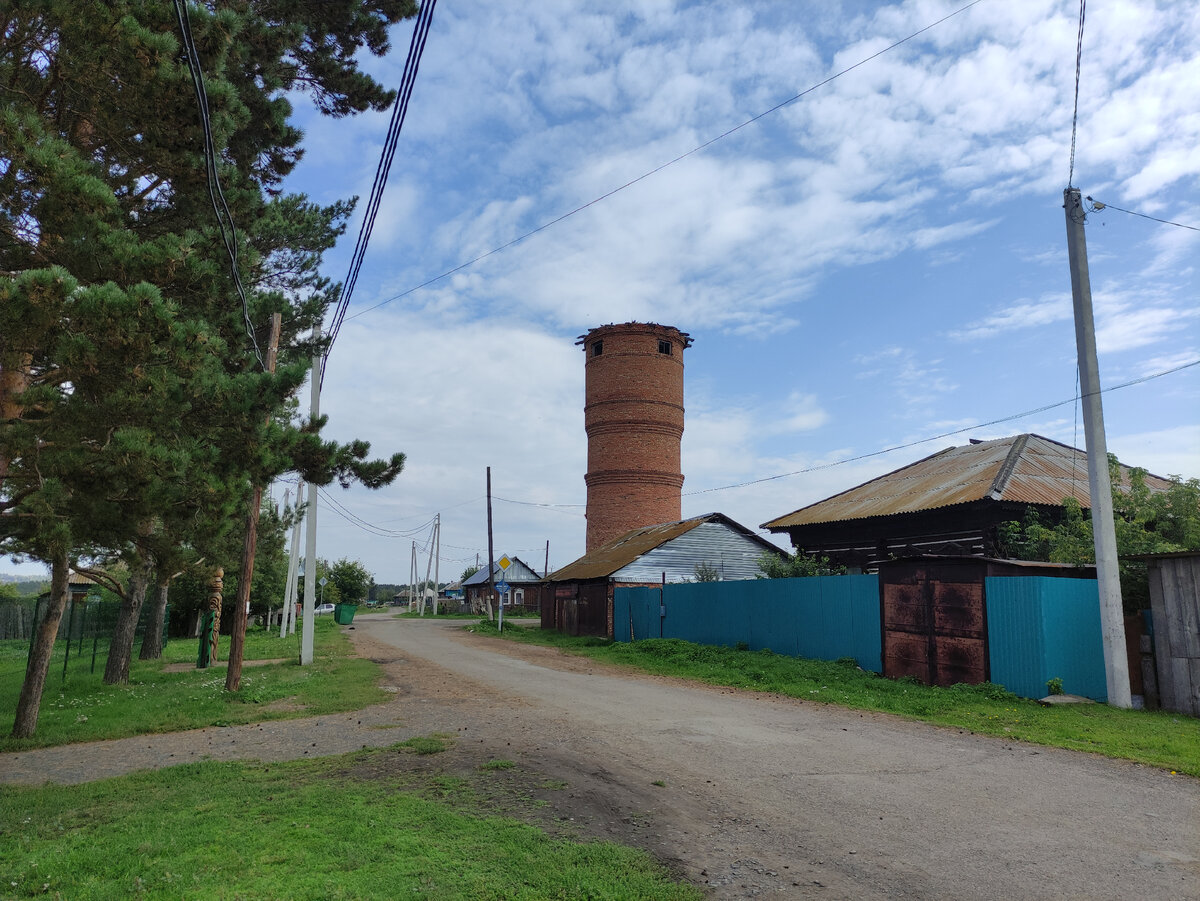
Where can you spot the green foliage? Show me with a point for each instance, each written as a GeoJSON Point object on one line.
{"type": "Point", "coordinates": [706, 572]}
{"type": "Point", "coordinates": [83, 708]}
{"type": "Point", "coordinates": [468, 572]}
{"type": "Point", "coordinates": [351, 579]}
{"type": "Point", "coordinates": [1145, 521]}
{"type": "Point", "coordinates": [300, 829]}
{"type": "Point", "coordinates": [797, 565]}
{"type": "Point", "coordinates": [1054, 686]}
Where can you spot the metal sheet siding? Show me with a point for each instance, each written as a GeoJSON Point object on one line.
{"type": "Point", "coordinates": [826, 618]}
{"type": "Point", "coordinates": [1044, 628]}
{"type": "Point", "coordinates": [734, 555]}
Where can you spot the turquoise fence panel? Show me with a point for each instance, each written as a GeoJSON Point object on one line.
{"type": "Point", "coordinates": [824, 617]}
{"type": "Point", "coordinates": [1042, 628]}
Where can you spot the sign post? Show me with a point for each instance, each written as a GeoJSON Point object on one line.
{"type": "Point", "coordinates": [502, 588]}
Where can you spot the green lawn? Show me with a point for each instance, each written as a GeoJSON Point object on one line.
{"type": "Point", "coordinates": [1167, 740]}
{"type": "Point", "coordinates": [83, 708]}
{"type": "Point", "coordinates": [338, 827]}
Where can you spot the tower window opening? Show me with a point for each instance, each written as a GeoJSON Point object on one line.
{"type": "Point", "coordinates": [597, 348]}
{"type": "Point", "coordinates": [664, 347]}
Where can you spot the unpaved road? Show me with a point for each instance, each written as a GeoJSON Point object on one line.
{"type": "Point", "coordinates": [760, 795]}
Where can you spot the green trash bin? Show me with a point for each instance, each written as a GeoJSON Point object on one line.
{"type": "Point", "coordinates": [343, 614]}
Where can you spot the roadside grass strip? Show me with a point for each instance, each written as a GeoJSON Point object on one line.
{"type": "Point", "coordinates": [1157, 738]}
{"type": "Point", "coordinates": [82, 708]}
{"type": "Point", "coordinates": [297, 830]}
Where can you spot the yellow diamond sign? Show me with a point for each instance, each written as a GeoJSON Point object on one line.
{"type": "Point", "coordinates": [504, 562]}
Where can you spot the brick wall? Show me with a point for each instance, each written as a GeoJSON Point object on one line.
{"type": "Point", "coordinates": [633, 415]}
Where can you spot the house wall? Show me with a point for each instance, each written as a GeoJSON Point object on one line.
{"type": "Point", "coordinates": [733, 555]}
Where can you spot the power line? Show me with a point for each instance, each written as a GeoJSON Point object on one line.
{"type": "Point", "coordinates": [1078, 62]}
{"type": "Point", "coordinates": [216, 194]}
{"type": "Point", "coordinates": [416, 48]}
{"type": "Point", "coordinates": [669, 163]}
{"type": "Point", "coordinates": [1097, 206]}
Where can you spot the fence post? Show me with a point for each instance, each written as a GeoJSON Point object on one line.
{"type": "Point", "coordinates": [70, 626]}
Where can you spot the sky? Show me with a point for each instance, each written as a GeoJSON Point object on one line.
{"type": "Point", "coordinates": [870, 274]}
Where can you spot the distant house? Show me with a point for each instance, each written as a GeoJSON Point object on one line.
{"type": "Point", "coordinates": [950, 503]}
{"type": "Point", "coordinates": [578, 597]}
{"type": "Point", "coordinates": [523, 581]}
{"type": "Point", "coordinates": [454, 591]}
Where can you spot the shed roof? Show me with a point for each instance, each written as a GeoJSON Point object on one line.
{"type": "Point", "coordinates": [522, 573]}
{"type": "Point", "coordinates": [605, 560]}
{"type": "Point", "coordinates": [1026, 469]}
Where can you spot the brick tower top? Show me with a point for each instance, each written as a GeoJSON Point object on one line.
{"type": "Point", "coordinates": [633, 416]}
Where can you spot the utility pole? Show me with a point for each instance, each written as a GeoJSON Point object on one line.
{"type": "Point", "coordinates": [437, 559]}
{"type": "Point", "coordinates": [546, 568]}
{"type": "Point", "coordinates": [308, 628]}
{"type": "Point", "coordinates": [288, 626]}
{"type": "Point", "coordinates": [491, 552]}
{"type": "Point", "coordinates": [241, 606]}
{"type": "Point", "coordinates": [1112, 615]}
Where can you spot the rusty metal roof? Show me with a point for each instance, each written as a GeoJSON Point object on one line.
{"type": "Point", "coordinates": [1025, 469]}
{"type": "Point", "coordinates": [620, 552]}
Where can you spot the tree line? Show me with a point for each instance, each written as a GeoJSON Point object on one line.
{"type": "Point", "coordinates": [146, 244]}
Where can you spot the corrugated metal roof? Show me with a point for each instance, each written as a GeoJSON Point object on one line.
{"type": "Point", "coordinates": [621, 552]}
{"type": "Point", "coordinates": [520, 571]}
{"type": "Point", "coordinates": [1026, 469]}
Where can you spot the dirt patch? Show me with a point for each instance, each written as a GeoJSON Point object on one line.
{"type": "Point", "coordinates": [222, 664]}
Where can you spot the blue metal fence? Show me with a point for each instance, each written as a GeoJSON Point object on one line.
{"type": "Point", "coordinates": [1040, 629]}
{"type": "Point", "coordinates": [824, 617]}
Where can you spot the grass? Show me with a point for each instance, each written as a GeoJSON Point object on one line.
{"type": "Point", "coordinates": [304, 829]}
{"type": "Point", "coordinates": [1157, 738]}
{"type": "Point", "coordinates": [83, 708]}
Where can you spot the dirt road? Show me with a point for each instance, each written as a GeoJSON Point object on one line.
{"type": "Point", "coordinates": [748, 795]}
{"type": "Point", "coordinates": [765, 795]}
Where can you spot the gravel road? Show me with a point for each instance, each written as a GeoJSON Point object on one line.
{"type": "Point", "coordinates": [747, 795]}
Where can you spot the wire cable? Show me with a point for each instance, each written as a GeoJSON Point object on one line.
{"type": "Point", "coordinates": [215, 193]}
{"type": "Point", "coordinates": [1078, 62]}
{"type": "Point", "coordinates": [399, 110]}
{"type": "Point", "coordinates": [669, 163]}
{"type": "Point", "coordinates": [1098, 206]}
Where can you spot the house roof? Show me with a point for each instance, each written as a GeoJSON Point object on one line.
{"type": "Point", "coordinates": [605, 560]}
{"type": "Point", "coordinates": [514, 574]}
{"type": "Point", "coordinates": [1026, 469]}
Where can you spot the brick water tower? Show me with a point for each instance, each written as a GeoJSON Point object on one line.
{"type": "Point", "coordinates": [633, 415]}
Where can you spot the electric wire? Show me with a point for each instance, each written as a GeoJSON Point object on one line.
{"type": "Point", "coordinates": [382, 170]}
{"type": "Point", "coordinates": [1078, 63]}
{"type": "Point", "coordinates": [669, 163]}
{"type": "Point", "coordinates": [1099, 205]}
{"type": "Point", "coordinates": [215, 192]}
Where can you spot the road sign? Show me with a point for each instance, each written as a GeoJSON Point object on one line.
{"type": "Point", "coordinates": [502, 587]}
{"type": "Point", "coordinates": [504, 562]}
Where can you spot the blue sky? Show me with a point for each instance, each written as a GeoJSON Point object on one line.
{"type": "Point", "coordinates": [880, 262]}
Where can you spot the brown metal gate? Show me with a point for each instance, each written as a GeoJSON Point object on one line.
{"type": "Point", "coordinates": [934, 621]}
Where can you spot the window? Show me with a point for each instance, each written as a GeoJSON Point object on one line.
{"type": "Point", "coordinates": [597, 348]}
{"type": "Point", "coordinates": [664, 347]}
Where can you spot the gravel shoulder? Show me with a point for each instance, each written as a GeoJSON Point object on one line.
{"type": "Point", "coordinates": [743, 793]}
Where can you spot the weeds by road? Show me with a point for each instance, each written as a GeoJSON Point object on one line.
{"type": "Point", "coordinates": [82, 708]}
{"type": "Point", "coordinates": [361, 825]}
{"type": "Point", "coordinates": [1167, 740]}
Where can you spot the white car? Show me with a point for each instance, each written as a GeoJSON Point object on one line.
{"type": "Point", "coordinates": [324, 608]}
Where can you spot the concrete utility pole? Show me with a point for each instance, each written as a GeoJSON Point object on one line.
{"type": "Point", "coordinates": [491, 553]}
{"type": "Point", "coordinates": [1112, 615]}
{"type": "Point", "coordinates": [288, 626]}
{"type": "Point", "coordinates": [308, 629]}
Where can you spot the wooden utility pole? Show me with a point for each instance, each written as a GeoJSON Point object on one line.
{"type": "Point", "coordinates": [491, 553]}
{"type": "Point", "coordinates": [546, 568]}
{"type": "Point", "coordinates": [241, 607]}
{"type": "Point", "coordinates": [288, 626]}
{"type": "Point", "coordinates": [1112, 615]}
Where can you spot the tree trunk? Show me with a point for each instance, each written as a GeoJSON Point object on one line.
{"type": "Point", "coordinates": [152, 640]}
{"type": "Point", "coordinates": [120, 649]}
{"type": "Point", "coordinates": [14, 379]}
{"type": "Point", "coordinates": [237, 635]}
{"type": "Point", "coordinates": [30, 702]}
